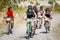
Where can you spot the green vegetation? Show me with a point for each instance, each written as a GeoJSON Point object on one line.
{"type": "Point", "coordinates": [50, 2]}
{"type": "Point", "coordinates": [37, 3]}
{"type": "Point", "coordinates": [2, 24]}
{"type": "Point", "coordinates": [3, 4]}
{"type": "Point", "coordinates": [19, 9]}
{"type": "Point", "coordinates": [31, 2]}
{"type": "Point", "coordinates": [57, 8]}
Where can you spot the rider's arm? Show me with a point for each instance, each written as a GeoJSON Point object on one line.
{"type": "Point", "coordinates": [51, 15]}
{"type": "Point", "coordinates": [13, 13]}
{"type": "Point", "coordinates": [44, 12]}
{"type": "Point", "coordinates": [6, 13]}
{"type": "Point", "coordinates": [34, 13]}
{"type": "Point", "coordinates": [25, 16]}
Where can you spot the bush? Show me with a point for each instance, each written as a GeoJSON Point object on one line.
{"type": "Point", "coordinates": [50, 2]}
{"type": "Point", "coordinates": [3, 4]}
{"type": "Point", "coordinates": [31, 2]}
{"type": "Point", "coordinates": [37, 3]}
{"type": "Point", "coordinates": [57, 7]}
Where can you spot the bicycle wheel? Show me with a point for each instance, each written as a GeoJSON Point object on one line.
{"type": "Point", "coordinates": [40, 23]}
{"type": "Point", "coordinates": [46, 26]}
{"type": "Point", "coordinates": [29, 29]}
{"type": "Point", "coordinates": [9, 27]}
{"type": "Point", "coordinates": [34, 28]}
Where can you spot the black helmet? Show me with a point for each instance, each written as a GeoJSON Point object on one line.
{"type": "Point", "coordinates": [41, 7]}
{"type": "Point", "coordinates": [9, 7]}
{"type": "Point", "coordinates": [30, 7]}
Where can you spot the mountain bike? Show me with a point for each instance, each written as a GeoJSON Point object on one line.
{"type": "Point", "coordinates": [9, 25]}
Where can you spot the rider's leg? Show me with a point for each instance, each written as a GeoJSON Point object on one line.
{"type": "Point", "coordinates": [32, 26]}
{"type": "Point", "coordinates": [43, 21]}
{"type": "Point", "coordinates": [49, 26]}
{"type": "Point", "coordinates": [8, 28]}
{"type": "Point", "coordinates": [37, 20]}
{"type": "Point", "coordinates": [12, 25]}
{"type": "Point", "coordinates": [37, 23]}
{"type": "Point", "coordinates": [27, 27]}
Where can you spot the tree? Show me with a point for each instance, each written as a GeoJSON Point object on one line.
{"type": "Point", "coordinates": [3, 4]}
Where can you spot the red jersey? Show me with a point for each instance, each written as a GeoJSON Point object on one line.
{"type": "Point", "coordinates": [10, 14]}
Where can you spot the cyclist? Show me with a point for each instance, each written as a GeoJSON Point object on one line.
{"type": "Point", "coordinates": [41, 14]}
{"type": "Point", "coordinates": [10, 14]}
{"type": "Point", "coordinates": [48, 14]}
{"type": "Point", "coordinates": [41, 10]}
{"type": "Point", "coordinates": [36, 13]}
{"type": "Point", "coordinates": [35, 10]}
{"type": "Point", "coordinates": [30, 15]}
{"type": "Point", "coordinates": [30, 12]}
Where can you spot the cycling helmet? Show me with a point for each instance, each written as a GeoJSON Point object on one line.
{"type": "Point", "coordinates": [30, 7]}
{"type": "Point", "coordinates": [34, 6]}
{"type": "Point", "coordinates": [41, 7]}
{"type": "Point", "coordinates": [9, 7]}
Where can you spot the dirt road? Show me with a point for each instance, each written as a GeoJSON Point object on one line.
{"type": "Point", "coordinates": [19, 32]}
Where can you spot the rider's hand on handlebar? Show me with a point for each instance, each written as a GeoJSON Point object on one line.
{"type": "Point", "coordinates": [51, 17]}
{"type": "Point", "coordinates": [5, 17]}
{"type": "Point", "coordinates": [26, 19]}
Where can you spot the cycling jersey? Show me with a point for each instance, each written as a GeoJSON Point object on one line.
{"type": "Point", "coordinates": [30, 14]}
{"type": "Point", "coordinates": [47, 12]}
{"type": "Point", "coordinates": [10, 14]}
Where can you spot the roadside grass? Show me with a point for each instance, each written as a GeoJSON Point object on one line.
{"type": "Point", "coordinates": [56, 32]}
{"type": "Point", "coordinates": [3, 28]}
{"type": "Point", "coordinates": [56, 12]}
{"type": "Point", "coordinates": [19, 12]}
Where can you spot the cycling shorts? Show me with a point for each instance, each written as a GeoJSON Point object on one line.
{"type": "Point", "coordinates": [47, 15]}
